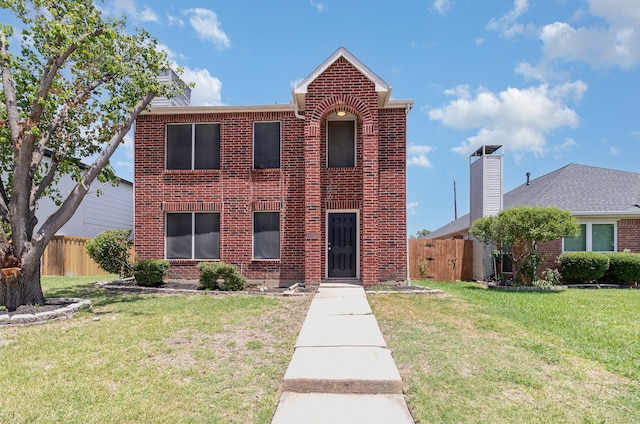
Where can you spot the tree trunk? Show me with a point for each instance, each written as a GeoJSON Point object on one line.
{"type": "Point", "coordinates": [20, 283]}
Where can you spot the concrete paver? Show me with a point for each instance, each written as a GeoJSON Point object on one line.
{"type": "Point", "coordinates": [323, 408]}
{"type": "Point", "coordinates": [341, 370]}
{"type": "Point", "coordinates": [340, 330]}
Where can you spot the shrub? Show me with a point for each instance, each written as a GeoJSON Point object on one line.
{"type": "Point", "coordinates": [150, 272]}
{"type": "Point", "coordinates": [111, 250]}
{"type": "Point", "coordinates": [583, 266]}
{"type": "Point", "coordinates": [624, 267]}
{"type": "Point", "coordinates": [548, 277]}
{"type": "Point", "coordinates": [211, 272]}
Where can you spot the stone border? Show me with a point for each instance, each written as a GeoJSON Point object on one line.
{"type": "Point", "coordinates": [64, 312]}
{"type": "Point", "coordinates": [527, 288]}
{"type": "Point", "coordinates": [405, 291]}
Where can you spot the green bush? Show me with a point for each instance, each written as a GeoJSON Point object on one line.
{"type": "Point", "coordinates": [583, 266]}
{"type": "Point", "coordinates": [624, 267]}
{"type": "Point", "coordinates": [150, 272]}
{"type": "Point", "coordinates": [111, 250]}
{"type": "Point", "coordinates": [548, 277]}
{"type": "Point", "coordinates": [229, 276]}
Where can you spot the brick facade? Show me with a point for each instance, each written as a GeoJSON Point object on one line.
{"type": "Point", "coordinates": [304, 189]}
{"type": "Point", "coordinates": [628, 238]}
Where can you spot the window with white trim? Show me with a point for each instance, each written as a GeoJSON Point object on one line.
{"type": "Point", "coordinates": [341, 143]}
{"type": "Point", "coordinates": [193, 146]}
{"type": "Point", "coordinates": [594, 237]}
{"type": "Point", "coordinates": [192, 235]}
{"type": "Point", "coordinates": [266, 235]}
{"type": "Point", "coordinates": [266, 145]}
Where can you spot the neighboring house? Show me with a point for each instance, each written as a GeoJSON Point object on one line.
{"type": "Point", "coordinates": [309, 191]}
{"type": "Point", "coordinates": [110, 209]}
{"type": "Point", "coordinates": [606, 203]}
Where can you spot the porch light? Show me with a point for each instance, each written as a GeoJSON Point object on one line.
{"type": "Point", "coordinates": [341, 112]}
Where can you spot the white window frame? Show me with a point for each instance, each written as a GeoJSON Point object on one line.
{"type": "Point", "coordinates": [348, 117]}
{"type": "Point", "coordinates": [589, 235]}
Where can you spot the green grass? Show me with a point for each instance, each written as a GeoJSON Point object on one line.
{"type": "Point", "coordinates": [149, 358]}
{"type": "Point", "coordinates": [474, 355]}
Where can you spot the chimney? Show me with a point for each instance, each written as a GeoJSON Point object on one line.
{"type": "Point", "coordinates": [528, 176]}
{"type": "Point", "coordinates": [182, 91]}
{"type": "Point", "coordinates": [486, 171]}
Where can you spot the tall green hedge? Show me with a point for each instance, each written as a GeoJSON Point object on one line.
{"type": "Point", "coordinates": [624, 267]}
{"type": "Point", "coordinates": [583, 266]}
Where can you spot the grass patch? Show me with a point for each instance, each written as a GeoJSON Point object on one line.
{"type": "Point", "coordinates": [474, 355]}
{"type": "Point", "coordinates": [149, 358]}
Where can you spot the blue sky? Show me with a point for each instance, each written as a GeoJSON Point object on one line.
{"type": "Point", "coordinates": [553, 81]}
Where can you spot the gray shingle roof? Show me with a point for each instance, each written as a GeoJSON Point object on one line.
{"type": "Point", "coordinates": [579, 188]}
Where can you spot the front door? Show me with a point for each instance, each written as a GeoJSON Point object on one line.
{"type": "Point", "coordinates": [342, 245]}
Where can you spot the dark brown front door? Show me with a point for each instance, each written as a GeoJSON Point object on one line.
{"type": "Point", "coordinates": [342, 245]}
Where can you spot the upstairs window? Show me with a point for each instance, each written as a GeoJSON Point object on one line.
{"type": "Point", "coordinates": [341, 144]}
{"type": "Point", "coordinates": [594, 237]}
{"type": "Point", "coordinates": [266, 145]}
{"type": "Point", "coordinates": [193, 236]}
{"type": "Point", "coordinates": [193, 146]}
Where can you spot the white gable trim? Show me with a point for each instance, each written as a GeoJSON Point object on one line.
{"type": "Point", "coordinates": [381, 87]}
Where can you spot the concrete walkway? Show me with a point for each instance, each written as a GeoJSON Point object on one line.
{"type": "Point", "coordinates": [341, 370]}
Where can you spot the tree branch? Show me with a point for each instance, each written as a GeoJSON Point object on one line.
{"type": "Point", "coordinates": [11, 103]}
{"type": "Point", "coordinates": [70, 204]}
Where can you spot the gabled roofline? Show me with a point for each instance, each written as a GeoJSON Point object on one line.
{"type": "Point", "coordinates": [382, 88]}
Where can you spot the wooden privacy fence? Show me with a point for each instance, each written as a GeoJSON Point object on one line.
{"type": "Point", "coordinates": [442, 260]}
{"type": "Point", "coordinates": [67, 255]}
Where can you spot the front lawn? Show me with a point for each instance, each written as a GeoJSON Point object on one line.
{"type": "Point", "coordinates": [475, 355]}
{"type": "Point", "coordinates": [150, 358]}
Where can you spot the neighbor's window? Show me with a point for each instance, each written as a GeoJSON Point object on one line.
{"type": "Point", "coordinates": [266, 145]}
{"type": "Point", "coordinates": [193, 146]}
{"type": "Point", "coordinates": [594, 237]}
{"type": "Point", "coordinates": [193, 236]}
{"type": "Point", "coordinates": [341, 144]}
{"type": "Point", "coordinates": [266, 235]}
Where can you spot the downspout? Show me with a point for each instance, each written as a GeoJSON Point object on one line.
{"type": "Point", "coordinates": [406, 111]}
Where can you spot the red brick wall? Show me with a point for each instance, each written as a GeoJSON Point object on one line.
{"type": "Point", "coordinates": [303, 189]}
{"type": "Point", "coordinates": [629, 235]}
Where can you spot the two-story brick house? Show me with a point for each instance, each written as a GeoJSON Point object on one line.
{"type": "Point", "coordinates": [309, 191]}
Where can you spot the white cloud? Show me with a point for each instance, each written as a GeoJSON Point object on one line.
{"type": "Point", "coordinates": [205, 23]}
{"type": "Point", "coordinates": [417, 155]}
{"type": "Point", "coordinates": [319, 6]}
{"type": "Point", "coordinates": [174, 21]}
{"type": "Point", "coordinates": [614, 150]}
{"type": "Point", "coordinates": [148, 15]}
{"type": "Point", "coordinates": [412, 207]}
{"type": "Point", "coordinates": [506, 24]}
{"type": "Point", "coordinates": [615, 44]}
{"type": "Point", "coordinates": [442, 6]}
{"type": "Point", "coordinates": [480, 41]}
{"type": "Point", "coordinates": [518, 119]}
{"type": "Point", "coordinates": [566, 146]}
{"type": "Point", "coordinates": [128, 7]}
{"type": "Point", "coordinates": [207, 90]}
